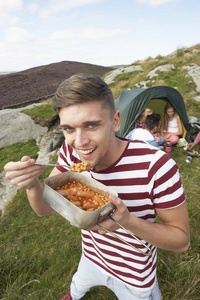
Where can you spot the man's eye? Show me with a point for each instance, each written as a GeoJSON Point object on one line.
{"type": "Point", "coordinates": [68, 129]}
{"type": "Point", "coordinates": [92, 125]}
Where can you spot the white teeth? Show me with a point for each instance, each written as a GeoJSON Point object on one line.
{"type": "Point", "coordinates": [86, 151]}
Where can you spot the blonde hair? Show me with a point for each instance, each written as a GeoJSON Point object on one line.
{"type": "Point", "coordinates": [147, 111]}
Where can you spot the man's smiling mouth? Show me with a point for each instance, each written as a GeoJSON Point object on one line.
{"type": "Point", "coordinates": [84, 152]}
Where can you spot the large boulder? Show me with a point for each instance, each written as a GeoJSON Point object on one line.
{"type": "Point", "coordinates": [17, 127]}
{"type": "Point", "coordinates": [48, 143]}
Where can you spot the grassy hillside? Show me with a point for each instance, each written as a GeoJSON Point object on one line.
{"type": "Point", "coordinates": [41, 81]}
{"type": "Point", "coordinates": [38, 256]}
{"type": "Point", "coordinates": [175, 78]}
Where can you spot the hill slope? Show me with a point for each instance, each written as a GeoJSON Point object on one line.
{"type": "Point", "coordinates": [179, 70]}
{"type": "Point", "coordinates": [41, 81]}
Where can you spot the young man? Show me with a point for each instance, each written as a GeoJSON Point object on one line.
{"type": "Point", "coordinates": [152, 126]}
{"type": "Point", "coordinates": [147, 182]}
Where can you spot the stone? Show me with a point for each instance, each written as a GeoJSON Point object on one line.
{"type": "Point", "coordinates": [163, 68]}
{"type": "Point", "coordinates": [110, 78]}
{"type": "Point", "coordinates": [17, 127]}
{"type": "Point", "coordinates": [193, 71]}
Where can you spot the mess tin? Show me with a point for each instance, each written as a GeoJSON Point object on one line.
{"type": "Point", "coordinates": [78, 217]}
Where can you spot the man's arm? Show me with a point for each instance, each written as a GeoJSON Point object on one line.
{"type": "Point", "coordinates": [173, 234]}
{"type": "Point", "coordinates": [24, 174]}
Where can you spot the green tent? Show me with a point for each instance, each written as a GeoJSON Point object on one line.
{"type": "Point", "coordinates": [132, 102]}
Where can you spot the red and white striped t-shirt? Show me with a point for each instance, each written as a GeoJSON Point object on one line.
{"type": "Point", "coordinates": [146, 179]}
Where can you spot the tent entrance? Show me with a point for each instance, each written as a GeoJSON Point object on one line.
{"type": "Point", "coordinates": [132, 102]}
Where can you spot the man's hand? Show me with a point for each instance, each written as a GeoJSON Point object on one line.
{"type": "Point", "coordinates": [23, 173]}
{"type": "Point", "coordinates": [173, 234]}
{"type": "Point", "coordinates": [120, 214]}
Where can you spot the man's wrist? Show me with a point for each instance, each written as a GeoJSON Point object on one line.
{"type": "Point", "coordinates": [32, 185]}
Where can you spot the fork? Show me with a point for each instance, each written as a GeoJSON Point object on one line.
{"type": "Point", "coordinates": [51, 165]}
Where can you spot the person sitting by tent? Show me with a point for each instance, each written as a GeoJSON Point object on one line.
{"type": "Point", "coordinates": [196, 141]}
{"type": "Point", "coordinates": [152, 126]}
{"type": "Point", "coordinates": [140, 122]}
{"type": "Point", "coordinates": [171, 126]}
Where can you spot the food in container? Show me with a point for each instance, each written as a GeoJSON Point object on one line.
{"type": "Point", "coordinates": [78, 217]}
{"type": "Point", "coordinates": [80, 167]}
{"type": "Point", "coordinates": [83, 196]}
{"type": "Point", "coordinates": [75, 215]}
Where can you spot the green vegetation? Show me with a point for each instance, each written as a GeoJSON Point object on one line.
{"type": "Point", "coordinates": [180, 52]}
{"type": "Point", "coordinates": [38, 256]}
{"type": "Point", "coordinates": [16, 151]}
{"type": "Point", "coordinates": [42, 114]}
{"type": "Point", "coordinates": [176, 78]}
{"type": "Point", "coordinates": [40, 111]}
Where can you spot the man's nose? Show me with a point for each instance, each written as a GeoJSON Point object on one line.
{"type": "Point", "coordinates": [81, 138]}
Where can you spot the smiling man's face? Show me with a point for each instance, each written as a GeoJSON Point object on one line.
{"type": "Point", "coordinates": [90, 129]}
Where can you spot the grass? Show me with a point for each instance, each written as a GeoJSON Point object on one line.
{"type": "Point", "coordinates": [38, 256]}
{"type": "Point", "coordinates": [16, 151]}
{"type": "Point", "coordinates": [42, 111]}
{"type": "Point", "coordinates": [42, 114]}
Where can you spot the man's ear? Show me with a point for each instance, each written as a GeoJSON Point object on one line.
{"type": "Point", "coordinates": [116, 121]}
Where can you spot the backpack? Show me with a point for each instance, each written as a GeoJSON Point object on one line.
{"type": "Point", "coordinates": [194, 128]}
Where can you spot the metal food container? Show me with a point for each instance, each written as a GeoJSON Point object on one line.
{"type": "Point", "coordinates": [78, 217]}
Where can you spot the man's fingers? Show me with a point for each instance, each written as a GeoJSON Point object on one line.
{"type": "Point", "coordinates": [14, 166]}
{"type": "Point", "coordinates": [23, 174]}
{"type": "Point", "coordinates": [24, 179]}
{"type": "Point", "coordinates": [118, 203]}
{"type": "Point", "coordinates": [25, 158]}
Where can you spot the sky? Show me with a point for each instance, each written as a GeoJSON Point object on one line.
{"type": "Point", "coordinates": [101, 32]}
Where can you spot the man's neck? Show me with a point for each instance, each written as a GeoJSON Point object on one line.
{"type": "Point", "coordinates": [150, 131]}
{"type": "Point", "coordinates": [118, 148]}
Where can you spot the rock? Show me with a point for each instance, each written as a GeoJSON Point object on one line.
{"type": "Point", "coordinates": [197, 98]}
{"type": "Point", "coordinates": [48, 143]}
{"type": "Point", "coordinates": [142, 84]}
{"type": "Point", "coordinates": [186, 55]}
{"type": "Point", "coordinates": [8, 191]}
{"type": "Point", "coordinates": [110, 78]}
{"type": "Point", "coordinates": [17, 127]}
{"type": "Point", "coordinates": [193, 70]}
{"type": "Point", "coordinates": [164, 68]}
{"type": "Point", "coordinates": [195, 51]}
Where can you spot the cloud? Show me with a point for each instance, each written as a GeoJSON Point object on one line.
{"type": "Point", "coordinates": [55, 6]}
{"type": "Point", "coordinates": [61, 35]}
{"type": "Point", "coordinates": [9, 5]}
{"type": "Point", "coordinates": [7, 20]}
{"type": "Point", "coordinates": [155, 2]}
{"type": "Point", "coordinates": [32, 7]}
{"type": "Point", "coordinates": [18, 35]}
{"type": "Point", "coordinates": [7, 10]}
{"type": "Point", "coordinates": [95, 33]}
{"type": "Point", "coordinates": [89, 34]}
